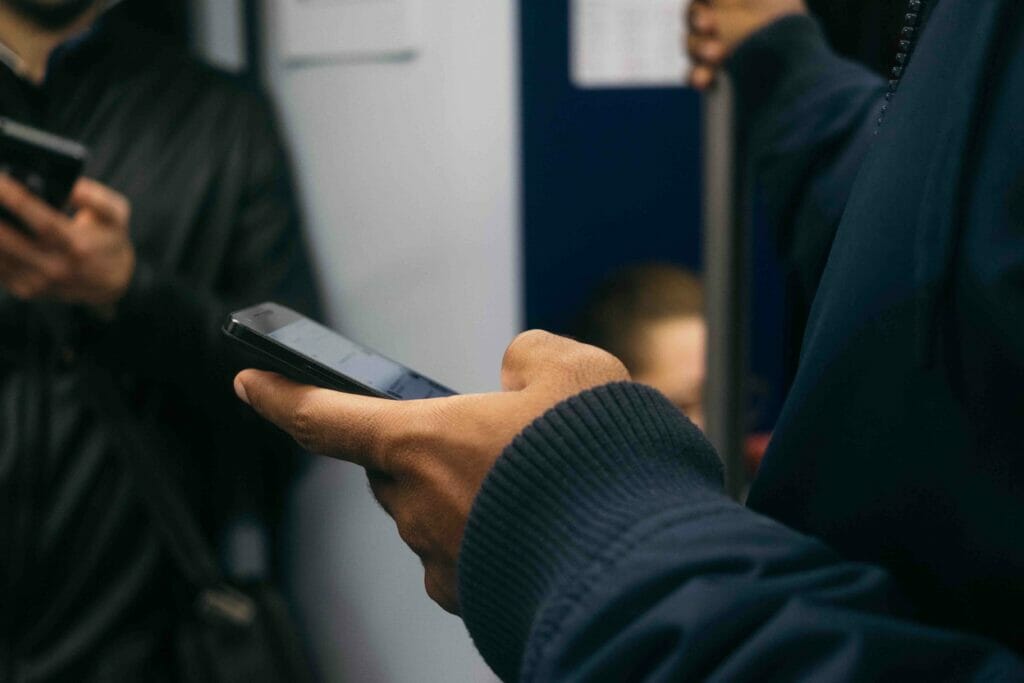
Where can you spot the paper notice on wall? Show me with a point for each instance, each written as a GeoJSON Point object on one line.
{"type": "Point", "coordinates": [627, 43]}
{"type": "Point", "coordinates": [322, 30]}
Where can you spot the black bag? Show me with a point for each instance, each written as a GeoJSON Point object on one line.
{"type": "Point", "coordinates": [233, 632]}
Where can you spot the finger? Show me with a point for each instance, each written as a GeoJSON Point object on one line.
{"type": "Point", "coordinates": [42, 219]}
{"type": "Point", "coordinates": [440, 579]}
{"type": "Point", "coordinates": [110, 206]}
{"type": "Point", "coordinates": [23, 284]}
{"type": "Point", "coordinates": [700, 19]}
{"type": "Point", "coordinates": [11, 270]}
{"type": "Point", "coordinates": [701, 77]}
{"type": "Point", "coordinates": [384, 489]}
{"type": "Point", "coordinates": [526, 357]}
{"type": "Point", "coordinates": [705, 51]}
{"type": "Point", "coordinates": [19, 249]}
{"type": "Point", "coordinates": [8, 266]}
{"type": "Point", "coordinates": [344, 426]}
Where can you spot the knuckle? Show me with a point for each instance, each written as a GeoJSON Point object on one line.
{"type": "Point", "coordinates": [592, 366]}
{"type": "Point", "coordinates": [307, 425]}
{"type": "Point", "coordinates": [524, 344]}
{"type": "Point", "coordinates": [433, 585]}
{"type": "Point", "coordinates": [381, 486]}
{"type": "Point", "coordinates": [611, 367]}
{"type": "Point", "coordinates": [410, 530]}
{"type": "Point", "coordinates": [122, 209]}
{"type": "Point", "coordinates": [439, 582]}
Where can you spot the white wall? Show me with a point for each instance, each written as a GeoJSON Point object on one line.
{"type": "Point", "coordinates": [218, 32]}
{"type": "Point", "coordinates": [408, 173]}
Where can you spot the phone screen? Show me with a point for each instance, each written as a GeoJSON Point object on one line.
{"type": "Point", "coordinates": [347, 358]}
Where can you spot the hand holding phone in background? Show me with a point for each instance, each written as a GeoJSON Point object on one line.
{"type": "Point", "coordinates": [86, 258]}
{"type": "Point", "coordinates": [715, 28]}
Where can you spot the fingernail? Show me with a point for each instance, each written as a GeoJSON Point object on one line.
{"type": "Point", "coordinates": [240, 391]}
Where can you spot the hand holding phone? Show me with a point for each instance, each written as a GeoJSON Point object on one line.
{"type": "Point", "coordinates": [87, 258]}
{"type": "Point", "coordinates": [429, 458]}
{"type": "Point", "coordinates": [46, 164]}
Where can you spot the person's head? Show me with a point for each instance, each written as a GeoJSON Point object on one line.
{"type": "Point", "coordinates": [51, 15]}
{"type": "Point", "coordinates": [652, 318]}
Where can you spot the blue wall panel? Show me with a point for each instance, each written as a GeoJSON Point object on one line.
{"type": "Point", "coordinates": [610, 176]}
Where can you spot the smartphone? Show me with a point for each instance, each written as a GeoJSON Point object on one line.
{"type": "Point", "coordinates": [48, 165]}
{"type": "Point", "coordinates": [304, 350]}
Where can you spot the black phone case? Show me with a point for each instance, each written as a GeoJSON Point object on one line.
{"type": "Point", "coordinates": [261, 356]}
{"type": "Point", "coordinates": [46, 164]}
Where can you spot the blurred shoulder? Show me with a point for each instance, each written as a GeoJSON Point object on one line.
{"type": "Point", "coordinates": [146, 60]}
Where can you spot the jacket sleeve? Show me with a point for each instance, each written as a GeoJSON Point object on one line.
{"type": "Point", "coordinates": [166, 342]}
{"type": "Point", "coordinates": [809, 117]}
{"type": "Point", "coordinates": [167, 328]}
{"type": "Point", "coordinates": [601, 547]}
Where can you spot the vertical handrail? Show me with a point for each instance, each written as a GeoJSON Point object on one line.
{"type": "Point", "coordinates": [252, 24]}
{"type": "Point", "coordinates": [727, 281]}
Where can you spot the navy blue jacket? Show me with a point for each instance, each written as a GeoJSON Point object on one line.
{"type": "Point", "coordinates": [884, 537]}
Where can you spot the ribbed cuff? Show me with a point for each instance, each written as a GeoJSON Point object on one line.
{"type": "Point", "coordinates": [567, 487]}
{"type": "Point", "coordinates": [778, 53]}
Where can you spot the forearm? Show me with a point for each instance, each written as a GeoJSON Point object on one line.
{"type": "Point", "coordinates": [602, 548]}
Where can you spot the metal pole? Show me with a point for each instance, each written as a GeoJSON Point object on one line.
{"type": "Point", "coordinates": [252, 25]}
{"type": "Point", "coordinates": [727, 279]}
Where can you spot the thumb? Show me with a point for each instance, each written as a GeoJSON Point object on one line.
{"type": "Point", "coordinates": [538, 357]}
{"type": "Point", "coordinates": [344, 426]}
{"type": "Point", "coordinates": [111, 206]}
{"type": "Point", "coordinates": [528, 358]}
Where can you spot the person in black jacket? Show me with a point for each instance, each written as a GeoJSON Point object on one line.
{"type": "Point", "coordinates": [185, 212]}
{"type": "Point", "coordinates": [577, 522]}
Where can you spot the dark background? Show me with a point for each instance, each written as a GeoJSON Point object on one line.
{"type": "Point", "coordinates": [167, 17]}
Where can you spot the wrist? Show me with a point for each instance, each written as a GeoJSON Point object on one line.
{"type": "Point", "coordinates": [565, 491]}
{"type": "Point", "coordinates": [108, 305]}
{"type": "Point", "coordinates": [107, 301]}
{"type": "Point", "coordinates": [748, 24]}
{"type": "Point", "coordinates": [776, 54]}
